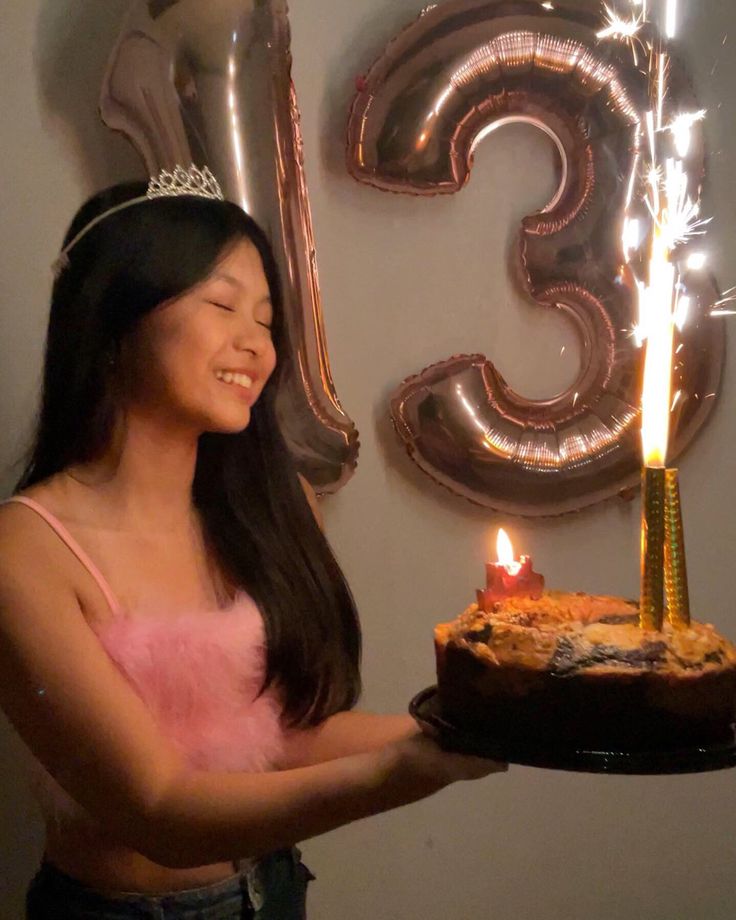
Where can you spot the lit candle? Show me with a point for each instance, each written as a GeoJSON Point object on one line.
{"type": "Point", "coordinates": [662, 548]}
{"type": "Point", "coordinates": [656, 305]}
{"type": "Point", "coordinates": [509, 577]}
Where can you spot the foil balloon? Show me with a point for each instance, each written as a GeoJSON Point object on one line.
{"type": "Point", "coordinates": [462, 70]}
{"type": "Point", "coordinates": [210, 83]}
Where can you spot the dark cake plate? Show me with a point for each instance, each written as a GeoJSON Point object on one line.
{"type": "Point", "coordinates": [426, 711]}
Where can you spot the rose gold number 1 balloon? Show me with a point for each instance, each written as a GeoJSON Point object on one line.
{"type": "Point", "coordinates": [467, 67]}
{"type": "Point", "coordinates": [210, 82]}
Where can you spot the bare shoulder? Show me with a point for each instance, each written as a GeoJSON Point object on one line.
{"type": "Point", "coordinates": [19, 528]}
{"type": "Point", "coordinates": [19, 523]}
{"type": "Point", "coordinates": [30, 549]}
{"type": "Point", "coordinates": [312, 499]}
{"type": "Point", "coordinates": [30, 557]}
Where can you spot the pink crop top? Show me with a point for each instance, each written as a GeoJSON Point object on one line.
{"type": "Point", "coordinates": [198, 673]}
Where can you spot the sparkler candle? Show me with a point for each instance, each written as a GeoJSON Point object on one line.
{"type": "Point", "coordinates": [675, 569]}
{"type": "Point", "coordinates": [662, 307]}
{"type": "Point", "coordinates": [509, 577]}
{"type": "Point", "coordinates": [651, 603]}
{"type": "Point", "coordinates": [656, 397]}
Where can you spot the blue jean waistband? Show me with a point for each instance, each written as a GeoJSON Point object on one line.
{"type": "Point", "coordinates": [55, 883]}
{"type": "Point", "coordinates": [273, 888]}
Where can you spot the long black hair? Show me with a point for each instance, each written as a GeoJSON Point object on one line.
{"type": "Point", "coordinates": [256, 519]}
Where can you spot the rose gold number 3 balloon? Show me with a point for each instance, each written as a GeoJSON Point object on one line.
{"type": "Point", "coordinates": [467, 67]}
{"type": "Point", "coordinates": [210, 83]}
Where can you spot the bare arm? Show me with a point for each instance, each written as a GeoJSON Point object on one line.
{"type": "Point", "coordinates": [83, 721]}
{"type": "Point", "coordinates": [208, 817]}
{"type": "Point", "coordinates": [344, 734]}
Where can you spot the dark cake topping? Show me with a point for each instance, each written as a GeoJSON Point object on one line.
{"type": "Point", "coordinates": [565, 658]}
{"type": "Point", "coordinates": [620, 619]}
{"type": "Point", "coordinates": [570, 656]}
{"type": "Point", "coordinates": [650, 653]}
{"type": "Point", "coordinates": [480, 635]}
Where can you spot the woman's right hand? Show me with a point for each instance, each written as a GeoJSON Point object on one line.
{"type": "Point", "coordinates": [416, 767]}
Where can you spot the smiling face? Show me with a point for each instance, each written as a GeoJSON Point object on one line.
{"type": "Point", "coordinates": [203, 359]}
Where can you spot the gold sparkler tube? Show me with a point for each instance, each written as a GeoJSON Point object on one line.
{"type": "Point", "coordinates": [675, 569]}
{"type": "Point", "coordinates": [651, 603]}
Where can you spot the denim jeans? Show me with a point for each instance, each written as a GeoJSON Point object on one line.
{"type": "Point", "coordinates": [274, 889]}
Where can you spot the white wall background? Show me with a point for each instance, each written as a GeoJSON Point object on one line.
{"type": "Point", "coordinates": [405, 282]}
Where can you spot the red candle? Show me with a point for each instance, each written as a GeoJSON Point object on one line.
{"type": "Point", "coordinates": [509, 577]}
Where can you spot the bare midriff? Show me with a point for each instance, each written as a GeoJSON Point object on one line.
{"type": "Point", "coordinates": [97, 861]}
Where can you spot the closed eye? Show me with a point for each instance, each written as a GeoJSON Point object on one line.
{"type": "Point", "coordinates": [224, 306]}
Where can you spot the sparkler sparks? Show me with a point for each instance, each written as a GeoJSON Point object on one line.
{"type": "Point", "coordinates": [671, 19]}
{"type": "Point", "coordinates": [728, 297]}
{"type": "Point", "coordinates": [670, 198]}
{"type": "Point", "coordinates": [697, 261]}
{"type": "Point", "coordinates": [664, 304]}
{"type": "Point", "coordinates": [680, 219]}
{"type": "Point", "coordinates": [682, 310]}
{"type": "Point", "coordinates": [619, 27]}
{"type": "Point", "coordinates": [632, 236]}
{"type": "Point", "coordinates": [681, 130]}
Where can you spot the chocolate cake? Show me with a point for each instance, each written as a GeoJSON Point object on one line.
{"type": "Point", "coordinates": [575, 669]}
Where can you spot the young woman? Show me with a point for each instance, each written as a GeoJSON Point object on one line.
{"type": "Point", "coordinates": [179, 649]}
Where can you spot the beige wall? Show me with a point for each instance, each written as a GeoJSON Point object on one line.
{"type": "Point", "coordinates": [405, 282]}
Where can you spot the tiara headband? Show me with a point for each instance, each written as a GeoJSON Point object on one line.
{"type": "Point", "coordinates": [192, 181]}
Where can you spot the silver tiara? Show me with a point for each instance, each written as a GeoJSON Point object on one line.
{"type": "Point", "coordinates": [180, 181]}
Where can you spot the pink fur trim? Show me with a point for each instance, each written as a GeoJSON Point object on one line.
{"type": "Point", "coordinates": [200, 675]}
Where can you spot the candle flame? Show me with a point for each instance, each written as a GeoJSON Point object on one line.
{"type": "Point", "coordinates": [505, 552]}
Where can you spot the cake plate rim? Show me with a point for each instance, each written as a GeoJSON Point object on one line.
{"type": "Point", "coordinates": [660, 761]}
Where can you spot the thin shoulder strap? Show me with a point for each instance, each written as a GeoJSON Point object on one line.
{"type": "Point", "coordinates": [64, 534]}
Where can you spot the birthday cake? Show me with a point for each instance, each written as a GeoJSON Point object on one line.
{"type": "Point", "coordinates": [561, 669]}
